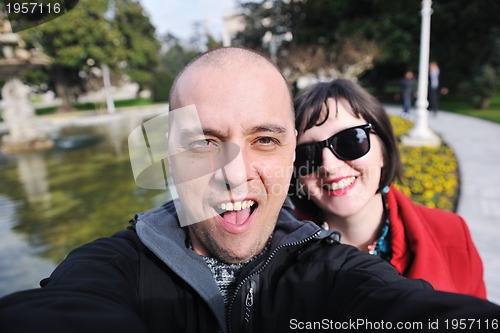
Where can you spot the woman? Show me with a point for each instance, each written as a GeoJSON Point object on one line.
{"type": "Point", "coordinates": [346, 160]}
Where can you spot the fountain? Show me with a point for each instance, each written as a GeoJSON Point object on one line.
{"type": "Point", "coordinates": [18, 114]}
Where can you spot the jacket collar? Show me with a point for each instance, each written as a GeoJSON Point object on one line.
{"type": "Point", "coordinates": [161, 233]}
{"type": "Point", "coordinates": [159, 230]}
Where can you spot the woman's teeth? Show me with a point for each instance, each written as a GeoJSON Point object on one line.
{"type": "Point", "coordinates": [343, 183]}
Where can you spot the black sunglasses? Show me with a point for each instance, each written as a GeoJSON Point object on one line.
{"type": "Point", "coordinates": [349, 144]}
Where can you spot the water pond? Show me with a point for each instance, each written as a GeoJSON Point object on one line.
{"type": "Point", "coordinates": [54, 201]}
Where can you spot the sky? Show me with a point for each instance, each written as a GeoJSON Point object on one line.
{"type": "Point", "coordinates": [178, 16]}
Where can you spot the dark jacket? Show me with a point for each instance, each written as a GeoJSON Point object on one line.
{"type": "Point", "coordinates": [148, 280]}
{"type": "Point", "coordinates": [407, 87]}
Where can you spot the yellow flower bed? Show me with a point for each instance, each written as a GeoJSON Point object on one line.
{"type": "Point", "coordinates": [430, 175]}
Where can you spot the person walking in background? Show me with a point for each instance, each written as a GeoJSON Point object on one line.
{"type": "Point", "coordinates": [407, 88]}
{"type": "Point", "coordinates": [348, 187]}
{"type": "Point", "coordinates": [433, 87]}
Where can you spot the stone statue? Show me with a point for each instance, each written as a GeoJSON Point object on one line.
{"type": "Point", "coordinates": [18, 113]}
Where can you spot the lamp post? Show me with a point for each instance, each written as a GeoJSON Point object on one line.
{"type": "Point", "coordinates": [421, 134]}
{"type": "Point", "coordinates": [110, 103]}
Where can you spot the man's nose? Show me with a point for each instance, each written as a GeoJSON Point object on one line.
{"type": "Point", "coordinates": [234, 173]}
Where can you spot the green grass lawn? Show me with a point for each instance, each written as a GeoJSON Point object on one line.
{"type": "Point", "coordinates": [452, 102]}
{"type": "Point", "coordinates": [98, 105]}
{"type": "Point", "coordinates": [457, 105]}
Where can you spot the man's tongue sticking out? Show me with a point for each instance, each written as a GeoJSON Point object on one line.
{"type": "Point", "coordinates": [237, 216]}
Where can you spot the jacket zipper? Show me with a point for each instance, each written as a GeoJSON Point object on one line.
{"type": "Point", "coordinates": [250, 295]}
{"type": "Point", "coordinates": [249, 300]}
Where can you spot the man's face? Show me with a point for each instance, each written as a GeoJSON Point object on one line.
{"type": "Point", "coordinates": [232, 154]}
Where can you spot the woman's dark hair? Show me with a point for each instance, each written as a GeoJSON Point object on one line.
{"type": "Point", "coordinates": [310, 107]}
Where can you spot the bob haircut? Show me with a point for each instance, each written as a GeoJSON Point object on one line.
{"type": "Point", "coordinates": [311, 109]}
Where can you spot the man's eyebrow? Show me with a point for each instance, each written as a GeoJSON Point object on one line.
{"type": "Point", "coordinates": [187, 133]}
{"type": "Point", "coordinates": [272, 128]}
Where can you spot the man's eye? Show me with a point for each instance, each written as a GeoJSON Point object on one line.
{"type": "Point", "coordinates": [267, 141]}
{"type": "Point", "coordinates": [202, 146]}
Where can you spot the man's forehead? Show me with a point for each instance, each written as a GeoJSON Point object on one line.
{"type": "Point", "coordinates": [229, 68]}
{"type": "Point", "coordinates": [221, 91]}
{"type": "Point", "coordinates": [189, 122]}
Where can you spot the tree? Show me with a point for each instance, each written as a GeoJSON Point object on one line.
{"type": "Point", "coordinates": [172, 61]}
{"type": "Point", "coordinates": [257, 20]}
{"type": "Point", "coordinates": [349, 59]}
{"type": "Point", "coordinates": [387, 31]}
{"type": "Point", "coordinates": [324, 42]}
{"type": "Point", "coordinates": [212, 43]}
{"type": "Point", "coordinates": [93, 34]}
{"type": "Point", "coordinates": [138, 38]}
{"type": "Point", "coordinates": [484, 82]}
{"type": "Point", "coordinates": [77, 42]}
{"type": "Point", "coordinates": [465, 40]}
{"type": "Point", "coordinates": [461, 35]}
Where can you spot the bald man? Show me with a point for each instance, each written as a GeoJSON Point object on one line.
{"type": "Point", "coordinates": [223, 256]}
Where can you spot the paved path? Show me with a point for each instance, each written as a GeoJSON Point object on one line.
{"type": "Point", "coordinates": [476, 144]}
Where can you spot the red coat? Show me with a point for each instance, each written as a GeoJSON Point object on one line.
{"type": "Point", "coordinates": [434, 245]}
